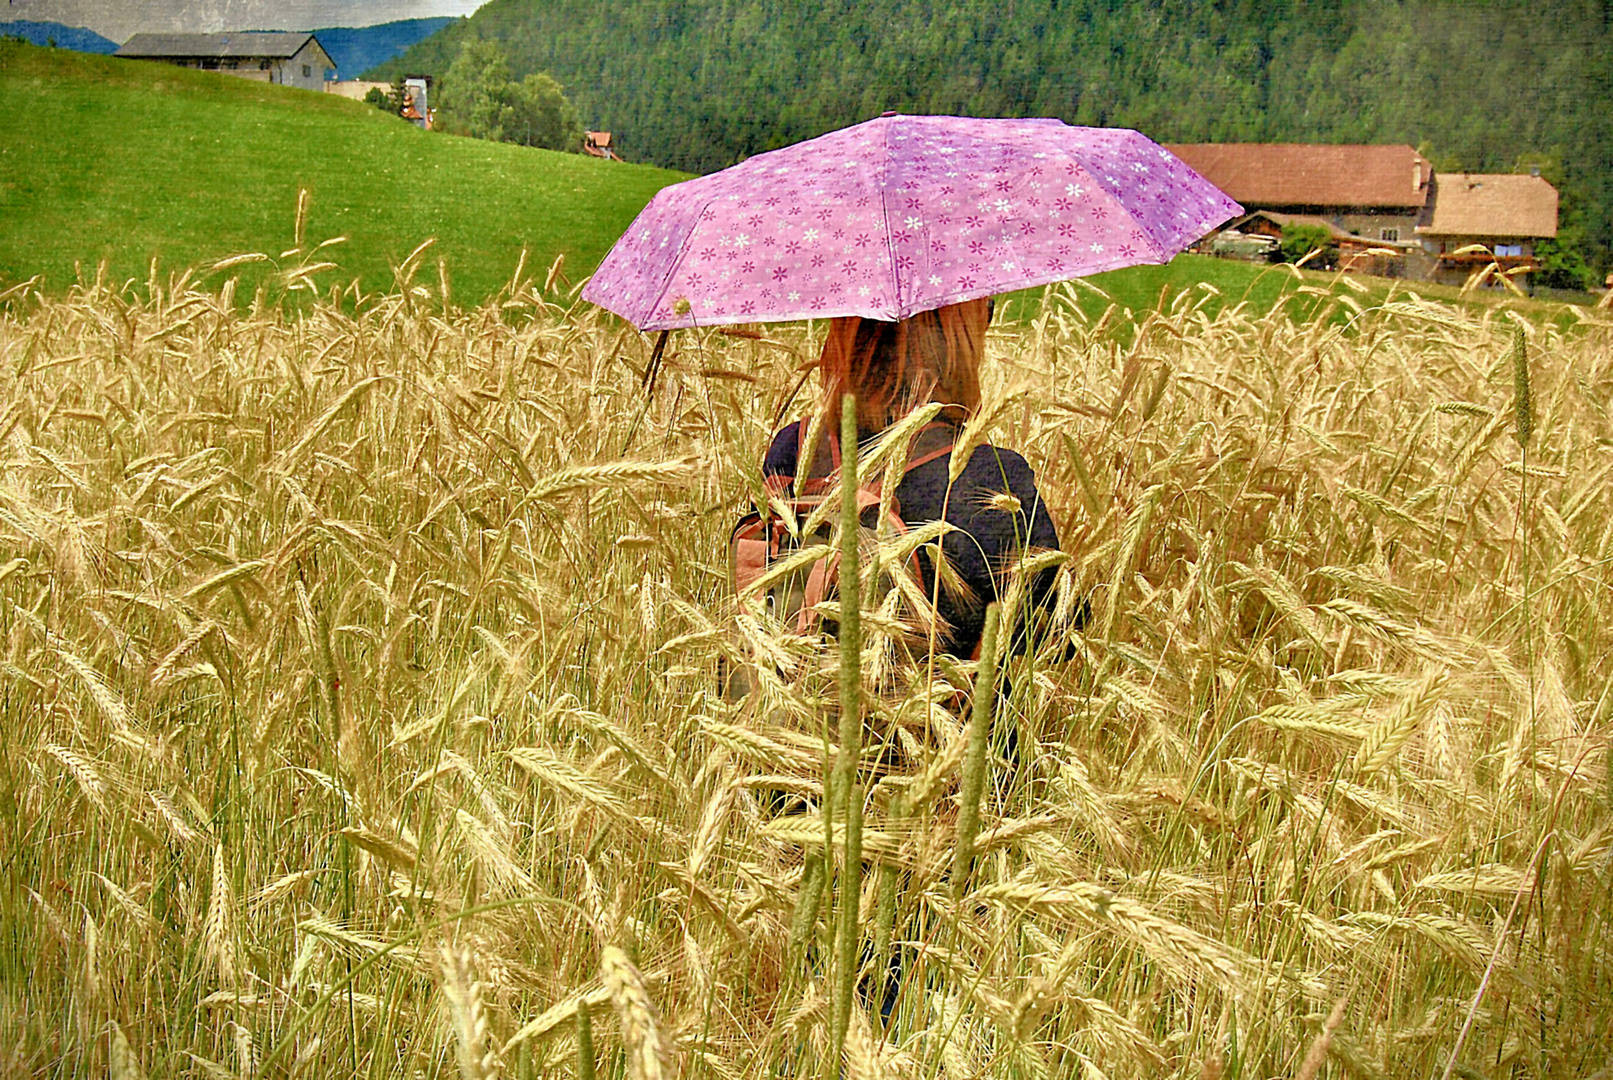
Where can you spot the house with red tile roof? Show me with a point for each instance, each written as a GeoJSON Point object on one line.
{"type": "Point", "coordinates": [1377, 193]}
{"type": "Point", "coordinates": [1384, 207]}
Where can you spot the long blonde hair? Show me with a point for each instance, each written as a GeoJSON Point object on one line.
{"type": "Point", "coordinates": [893, 368]}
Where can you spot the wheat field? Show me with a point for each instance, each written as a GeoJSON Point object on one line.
{"type": "Point", "coordinates": [360, 697]}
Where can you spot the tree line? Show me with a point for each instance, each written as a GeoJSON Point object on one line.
{"type": "Point", "coordinates": [700, 84]}
{"type": "Point", "coordinates": [477, 96]}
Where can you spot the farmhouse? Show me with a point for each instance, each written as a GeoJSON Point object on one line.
{"type": "Point", "coordinates": [289, 59]}
{"type": "Point", "coordinates": [1503, 213]}
{"type": "Point", "coordinates": [1375, 192]}
{"type": "Point", "coordinates": [1383, 207]}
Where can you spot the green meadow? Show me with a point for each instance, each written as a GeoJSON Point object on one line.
{"type": "Point", "coordinates": [140, 167]}
{"type": "Point", "coordinates": [125, 162]}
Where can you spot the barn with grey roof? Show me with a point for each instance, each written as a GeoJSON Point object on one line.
{"type": "Point", "coordinates": [285, 58]}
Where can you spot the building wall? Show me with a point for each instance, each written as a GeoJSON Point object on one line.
{"type": "Point", "coordinates": [1508, 252]}
{"type": "Point", "coordinates": [259, 70]}
{"type": "Point", "coordinates": [307, 69]}
{"type": "Point", "coordinates": [303, 70]}
{"type": "Point", "coordinates": [1442, 244]}
{"type": "Point", "coordinates": [1366, 222]}
{"type": "Point", "coordinates": [355, 88]}
{"type": "Point", "coordinates": [1371, 226]}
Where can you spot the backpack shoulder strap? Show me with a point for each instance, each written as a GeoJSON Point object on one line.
{"type": "Point", "coordinates": [809, 478]}
{"type": "Point", "coordinates": [928, 456]}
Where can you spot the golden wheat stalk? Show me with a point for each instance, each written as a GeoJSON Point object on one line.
{"type": "Point", "coordinates": [218, 928]}
{"type": "Point", "coordinates": [83, 771]}
{"type": "Point", "coordinates": [563, 776]}
{"type": "Point", "coordinates": [1383, 741]}
{"type": "Point", "coordinates": [649, 1056]}
{"type": "Point", "coordinates": [467, 1010]}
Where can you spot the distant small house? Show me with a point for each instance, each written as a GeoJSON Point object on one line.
{"type": "Point", "coordinates": [288, 59]}
{"type": "Point", "coordinates": [598, 144]}
{"type": "Point", "coordinates": [1373, 197]}
{"type": "Point", "coordinates": [1505, 213]}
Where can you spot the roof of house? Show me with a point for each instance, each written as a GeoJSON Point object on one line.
{"type": "Point", "coordinates": [1279, 218]}
{"type": "Point", "coordinates": [1303, 174]}
{"type": "Point", "coordinates": [1492, 204]}
{"type": "Point", "coordinates": [599, 138]}
{"type": "Point", "coordinates": [244, 44]}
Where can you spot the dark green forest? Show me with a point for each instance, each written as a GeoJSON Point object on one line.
{"type": "Point", "coordinates": [1477, 85]}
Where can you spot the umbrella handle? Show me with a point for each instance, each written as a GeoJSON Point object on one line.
{"type": "Point", "coordinates": [648, 385]}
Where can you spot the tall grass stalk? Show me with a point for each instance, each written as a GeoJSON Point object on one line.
{"type": "Point", "coordinates": [974, 756]}
{"type": "Point", "coordinates": [847, 791]}
{"type": "Point", "coordinates": [1523, 427]}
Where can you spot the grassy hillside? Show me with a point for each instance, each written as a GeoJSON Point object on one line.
{"type": "Point", "coordinates": [122, 161]}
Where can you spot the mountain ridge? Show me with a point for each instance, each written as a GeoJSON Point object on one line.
{"type": "Point", "coordinates": [58, 35]}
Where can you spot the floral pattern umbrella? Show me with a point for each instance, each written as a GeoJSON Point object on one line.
{"type": "Point", "coordinates": [903, 214]}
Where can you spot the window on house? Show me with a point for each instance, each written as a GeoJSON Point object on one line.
{"type": "Point", "coordinates": [1389, 234]}
{"type": "Point", "coordinates": [307, 72]}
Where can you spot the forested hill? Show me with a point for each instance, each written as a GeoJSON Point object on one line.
{"type": "Point", "coordinates": [700, 84]}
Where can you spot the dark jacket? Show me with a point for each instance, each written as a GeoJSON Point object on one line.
{"type": "Point", "coordinates": [986, 538]}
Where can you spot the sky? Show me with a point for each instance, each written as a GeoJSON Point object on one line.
{"type": "Point", "coordinates": [119, 19]}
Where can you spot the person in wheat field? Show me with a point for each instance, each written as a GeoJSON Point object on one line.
{"type": "Point", "coordinates": [994, 508]}
{"type": "Point", "coordinates": [995, 511]}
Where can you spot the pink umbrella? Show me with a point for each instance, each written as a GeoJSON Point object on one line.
{"type": "Point", "coordinates": [903, 214]}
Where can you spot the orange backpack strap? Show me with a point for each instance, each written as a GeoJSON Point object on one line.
{"type": "Point", "coordinates": [817, 589]}
{"type": "Point", "coordinates": [931, 455]}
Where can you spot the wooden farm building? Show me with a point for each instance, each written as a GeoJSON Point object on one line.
{"type": "Point", "coordinates": [1383, 207]}
{"type": "Point", "coordinates": [1505, 214]}
{"type": "Point", "coordinates": [288, 59]}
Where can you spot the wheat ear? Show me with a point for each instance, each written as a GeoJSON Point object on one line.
{"type": "Point", "coordinates": [647, 1055]}
{"type": "Point", "coordinates": [478, 1059]}
{"type": "Point", "coordinates": [218, 930]}
{"type": "Point", "coordinates": [122, 1062]}
{"type": "Point", "coordinates": [1316, 1056]}
{"type": "Point", "coordinates": [807, 901]}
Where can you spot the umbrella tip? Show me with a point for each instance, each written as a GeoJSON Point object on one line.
{"type": "Point", "coordinates": [888, 112]}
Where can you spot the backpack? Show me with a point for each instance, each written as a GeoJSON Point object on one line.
{"type": "Point", "coordinates": [767, 547]}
